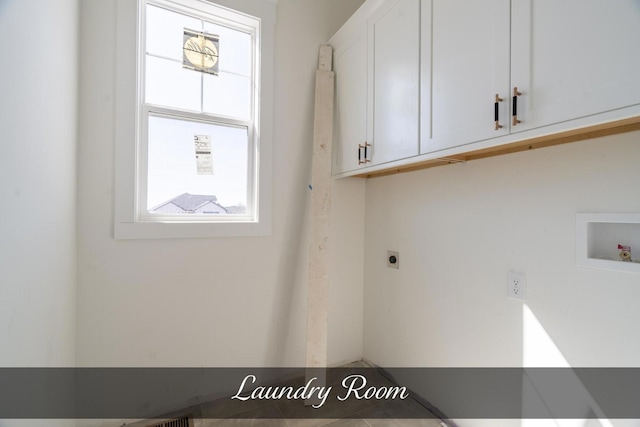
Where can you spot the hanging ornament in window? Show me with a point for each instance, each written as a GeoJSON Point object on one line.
{"type": "Point", "coordinates": [200, 51]}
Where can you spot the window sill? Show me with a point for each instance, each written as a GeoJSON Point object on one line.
{"type": "Point", "coordinates": [189, 230]}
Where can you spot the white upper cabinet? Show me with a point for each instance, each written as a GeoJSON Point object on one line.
{"type": "Point", "coordinates": [574, 58]}
{"type": "Point", "coordinates": [547, 62]}
{"type": "Point", "coordinates": [377, 66]}
{"type": "Point", "coordinates": [350, 125]}
{"type": "Point", "coordinates": [394, 81]}
{"type": "Point", "coordinates": [420, 81]}
{"type": "Point", "coordinates": [465, 64]}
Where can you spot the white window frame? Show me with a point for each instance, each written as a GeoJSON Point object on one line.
{"type": "Point", "coordinates": [130, 157]}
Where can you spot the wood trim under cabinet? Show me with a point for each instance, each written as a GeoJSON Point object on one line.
{"type": "Point", "coordinates": [589, 132]}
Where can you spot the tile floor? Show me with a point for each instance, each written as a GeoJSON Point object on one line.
{"type": "Point", "coordinates": [352, 413]}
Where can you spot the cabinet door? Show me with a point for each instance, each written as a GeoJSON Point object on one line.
{"type": "Point", "coordinates": [574, 58]}
{"type": "Point", "coordinates": [350, 127]}
{"type": "Point", "coordinates": [465, 51]}
{"type": "Point", "coordinates": [394, 80]}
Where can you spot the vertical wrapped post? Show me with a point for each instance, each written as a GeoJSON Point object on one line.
{"type": "Point", "coordinates": [318, 287]}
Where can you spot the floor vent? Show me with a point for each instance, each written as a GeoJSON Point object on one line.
{"type": "Point", "coordinates": [176, 422]}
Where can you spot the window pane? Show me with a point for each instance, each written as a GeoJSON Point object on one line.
{"type": "Point", "coordinates": [168, 84]}
{"type": "Point", "coordinates": [174, 182]}
{"type": "Point", "coordinates": [235, 49]}
{"type": "Point", "coordinates": [228, 95]}
{"type": "Point", "coordinates": [165, 29]}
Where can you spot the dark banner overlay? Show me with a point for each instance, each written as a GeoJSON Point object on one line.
{"type": "Point", "coordinates": [119, 393]}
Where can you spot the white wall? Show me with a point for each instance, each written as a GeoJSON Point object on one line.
{"type": "Point", "coordinates": [38, 44]}
{"type": "Point", "coordinates": [460, 228]}
{"type": "Point", "coordinates": [211, 302]}
{"type": "Point", "coordinates": [38, 100]}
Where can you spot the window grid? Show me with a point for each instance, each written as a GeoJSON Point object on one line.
{"type": "Point", "coordinates": [148, 110]}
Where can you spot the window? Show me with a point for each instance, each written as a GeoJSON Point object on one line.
{"type": "Point", "coordinates": [194, 158]}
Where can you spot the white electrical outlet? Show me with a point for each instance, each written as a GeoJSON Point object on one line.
{"type": "Point", "coordinates": [517, 286]}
